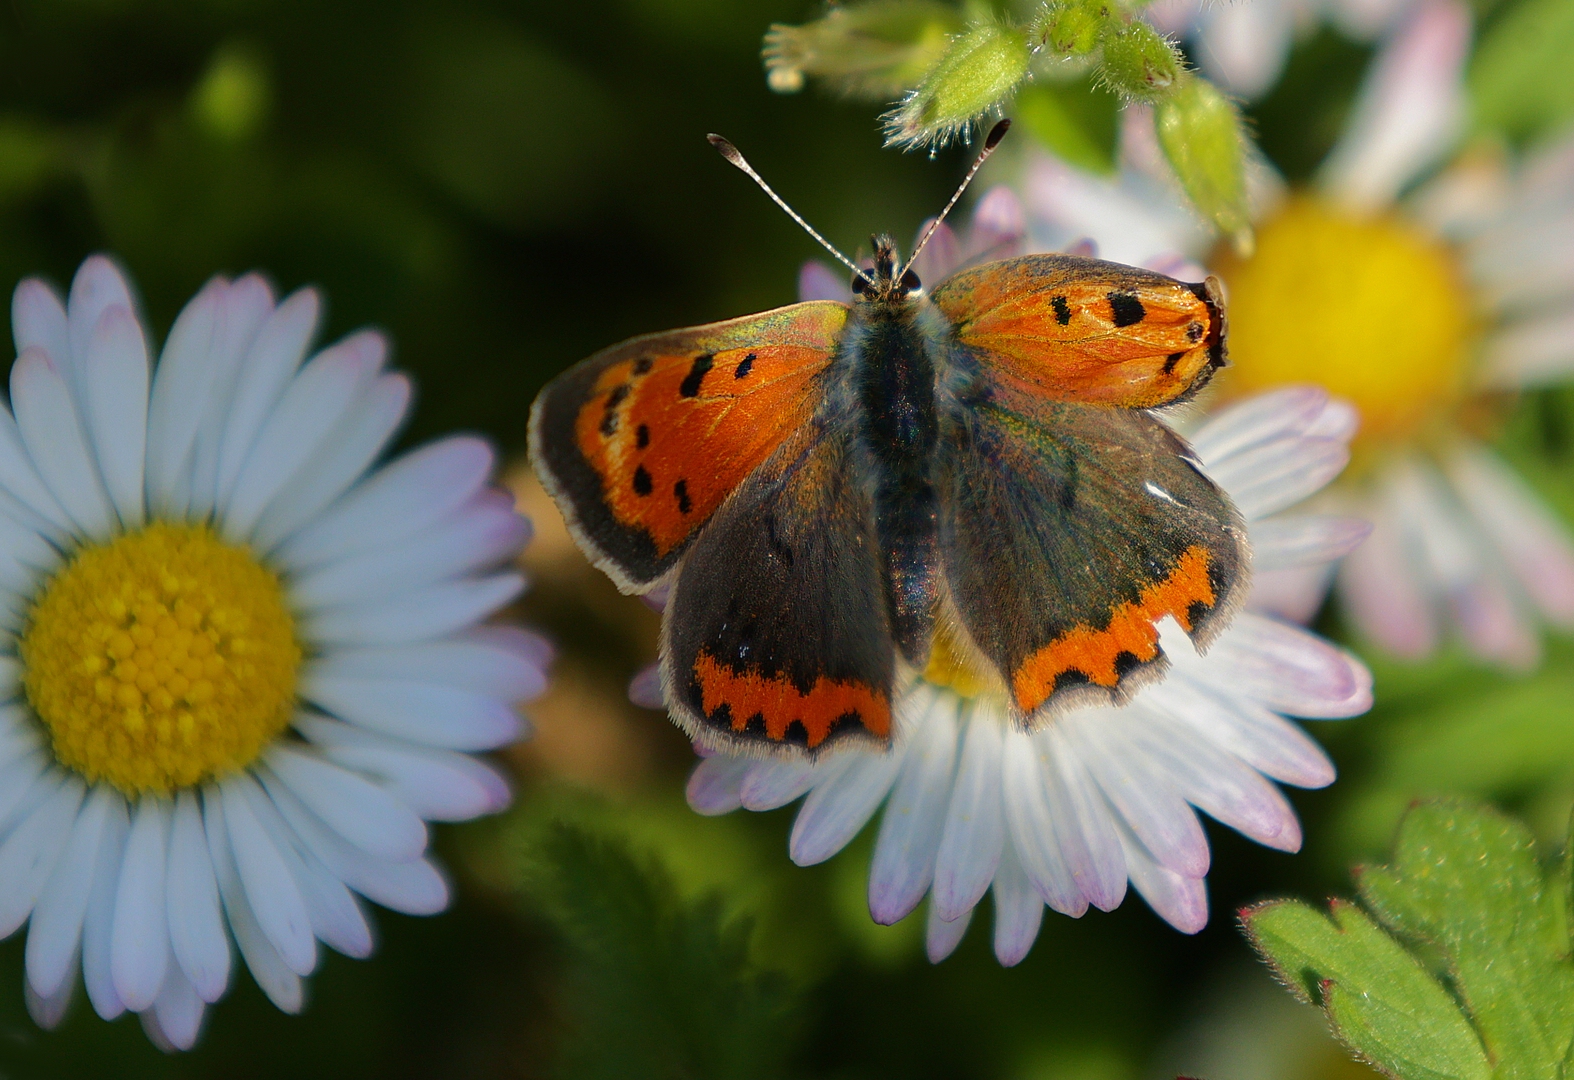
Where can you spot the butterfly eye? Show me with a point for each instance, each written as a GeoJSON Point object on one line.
{"type": "Point", "coordinates": [860, 283]}
{"type": "Point", "coordinates": [910, 281]}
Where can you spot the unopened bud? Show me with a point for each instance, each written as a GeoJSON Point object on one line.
{"type": "Point", "coordinates": [232, 98]}
{"type": "Point", "coordinates": [1070, 27]}
{"type": "Point", "coordinates": [981, 68]}
{"type": "Point", "coordinates": [1139, 63]}
{"type": "Point", "coordinates": [1201, 135]}
{"type": "Point", "coordinates": [879, 49]}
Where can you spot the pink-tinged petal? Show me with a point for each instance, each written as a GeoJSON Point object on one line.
{"type": "Point", "coordinates": [713, 785]}
{"type": "Point", "coordinates": [47, 1012]}
{"type": "Point", "coordinates": [940, 256]}
{"type": "Point", "coordinates": [776, 782]}
{"type": "Point", "coordinates": [1493, 625]}
{"type": "Point", "coordinates": [1534, 543]}
{"type": "Point", "coordinates": [910, 827]}
{"type": "Point", "coordinates": [817, 281]}
{"type": "Point", "coordinates": [38, 318]}
{"type": "Point", "coordinates": [1524, 264]}
{"type": "Point", "coordinates": [971, 842]}
{"type": "Point", "coordinates": [1263, 739]}
{"type": "Point", "coordinates": [838, 807]}
{"type": "Point", "coordinates": [1179, 900]}
{"type": "Point", "coordinates": [998, 229]}
{"type": "Point", "coordinates": [1260, 420]}
{"type": "Point", "coordinates": [1295, 594]}
{"type": "Point", "coordinates": [1034, 832]}
{"type": "Point", "coordinates": [1089, 841]}
{"type": "Point", "coordinates": [940, 937]}
{"type": "Point", "coordinates": [1304, 540]}
{"type": "Point", "coordinates": [98, 286]}
{"type": "Point", "coordinates": [1409, 111]}
{"type": "Point", "coordinates": [1285, 667]}
{"type": "Point", "coordinates": [1174, 17]}
{"type": "Point", "coordinates": [1366, 19]}
{"type": "Point", "coordinates": [1176, 265]}
{"type": "Point", "coordinates": [1380, 590]}
{"type": "Point", "coordinates": [1537, 351]}
{"type": "Point", "coordinates": [1127, 225]}
{"type": "Point", "coordinates": [645, 688]}
{"type": "Point", "coordinates": [1018, 910]}
{"type": "Point", "coordinates": [1244, 46]}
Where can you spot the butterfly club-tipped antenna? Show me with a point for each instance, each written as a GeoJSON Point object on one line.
{"type": "Point", "coordinates": [991, 141]}
{"type": "Point", "coordinates": [731, 153]}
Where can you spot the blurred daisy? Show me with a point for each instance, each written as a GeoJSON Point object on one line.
{"type": "Point", "coordinates": [241, 672]}
{"type": "Point", "coordinates": [1243, 45]}
{"type": "Point", "coordinates": [1422, 304]}
{"type": "Point", "coordinates": [1067, 815]}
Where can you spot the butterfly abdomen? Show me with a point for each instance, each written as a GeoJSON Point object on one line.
{"type": "Point", "coordinates": [893, 372]}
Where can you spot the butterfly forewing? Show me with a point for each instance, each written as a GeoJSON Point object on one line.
{"type": "Point", "coordinates": [1072, 329]}
{"type": "Point", "coordinates": [642, 442]}
{"type": "Point", "coordinates": [1068, 532]}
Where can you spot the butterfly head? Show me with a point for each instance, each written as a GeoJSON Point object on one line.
{"type": "Point", "coordinates": [887, 282]}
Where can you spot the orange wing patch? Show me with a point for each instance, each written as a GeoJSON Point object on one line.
{"type": "Point", "coordinates": [774, 697]}
{"type": "Point", "coordinates": [1073, 329]}
{"type": "Point", "coordinates": [672, 435]}
{"type": "Point", "coordinates": [1131, 630]}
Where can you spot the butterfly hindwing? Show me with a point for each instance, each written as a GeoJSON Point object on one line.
{"type": "Point", "coordinates": [642, 442]}
{"type": "Point", "coordinates": [776, 634]}
{"type": "Point", "coordinates": [1067, 532]}
{"type": "Point", "coordinates": [1067, 328]}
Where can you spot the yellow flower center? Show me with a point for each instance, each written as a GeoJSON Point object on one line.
{"type": "Point", "coordinates": [161, 658]}
{"type": "Point", "coordinates": [952, 666]}
{"type": "Point", "coordinates": [1375, 309]}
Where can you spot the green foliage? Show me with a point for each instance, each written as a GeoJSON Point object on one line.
{"type": "Point", "coordinates": [1462, 967]}
{"type": "Point", "coordinates": [1078, 121]}
{"type": "Point", "coordinates": [878, 49]}
{"type": "Point", "coordinates": [1519, 76]}
{"type": "Point", "coordinates": [659, 986]}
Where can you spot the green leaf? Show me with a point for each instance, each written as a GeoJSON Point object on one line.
{"type": "Point", "coordinates": [1466, 881]}
{"type": "Point", "coordinates": [1380, 1000]}
{"type": "Point", "coordinates": [661, 987]}
{"type": "Point", "coordinates": [1467, 962]}
{"type": "Point", "coordinates": [1519, 78]}
{"type": "Point", "coordinates": [1078, 121]}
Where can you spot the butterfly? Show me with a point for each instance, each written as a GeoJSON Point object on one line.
{"type": "Point", "coordinates": [826, 487]}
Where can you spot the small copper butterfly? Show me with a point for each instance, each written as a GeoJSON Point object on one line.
{"type": "Point", "coordinates": [825, 487]}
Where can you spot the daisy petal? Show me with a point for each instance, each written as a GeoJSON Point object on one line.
{"type": "Point", "coordinates": [54, 934]}
{"type": "Point", "coordinates": [839, 805]}
{"type": "Point", "coordinates": [1378, 587]}
{"type": "Point", "coordinates": [1532, 352]}
{"type": "Point", "coordinates": [713, 785]}
{"type": "Point", "coordinates": [1536, 546]}
{"type": "Point", "coordinates": [1281, 474]}
{"type": "Point", "coordinates": [47, 1012]}
{"type": "Point", "coordinates": [506, 664]}
{"type": "Point", "coordinates": [245, 308]}
{"type": "Point", "coordinates": [1260, 420]}
{"type": "Point", "coordinates": [769, 784]}
{"type": "Point", "coordinates": [196, 922]}
{"type": "Point", "coordinates": [416, 616]}
{"type": "Point", "coordinates": [352, 806]}
{"type": "Point", "coordinates": [29, 854]}
{"type": "Point", "coordinates": [182, 384]}
{"type": "Point", "coordinates": [98, 286]}
{"type": "Point", "coordinates": [1178, 900]}
{"type": "Point", "coordinates": [438, 785]}
{"type": "Point", "coordinates": [1018, 911]}
{"type": "Point", "coordinates": [1222, 786]}
{"type": "Point", "coordinates": [1033, 832]}
{"type": "Point", "coordinates": [56, 442]}
{"type": "Point", "coordinates": [38, 318]}
{"type": "Point", "coordinates": [1263, 739]}
{"type": "Point", "coordinates": [1089, 841]}
{"type": "Point", "coordinates": [115, 408]}
{"type": "Point", "coordinates": [421, 712]}
{"type": "Point", "coordinates": [645, 688]}
{"type": "Point", "coordinates": [1304, 539]}
{"type": "Point", "coordinates": [98, 924]}
{"type": "Point", "coordinates": [139, 939]}
{"type": "Point", "coordinates": [176, 1016]}
{"type": "Point", "coordinates": [272, 893]}
{"type": "Point", "coordinates": [816, 281]}
{"type": "Point", "coordinates": [273, 975]}
{"type": "Point", "coordinates": [335, 916]}
{"type": "Point", "coordinates": [904, 852]}
{"type": "Point", "coordinates": [974, 832]}
{"type": "Point", "coordinates": [1291, 670]}
{"type": "Point", "coordinates": [940, 937]}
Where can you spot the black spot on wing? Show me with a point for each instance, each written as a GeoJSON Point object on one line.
{"type": "Point", "coordinates": [680, 491]}
{"type": "Point", "coordinates": [1125, 308]}
{"type": "Point", "coordinates": [744, 367]}
{"type": "Point", "coordinates": [1171, 360]}
{"type": "Point", "coordinates": [1062, 309]}
{"type": "Point", "coordinates": [642, 484]}
{"type": "Point", "coordinates": [609, 418]}
{"type": "Point", "coordinates": [690, 387]}
{"type": "Point", "coordinates": [642, 436]}
{"type": "Point", "coordinates": [643, 365]}
{"type": "Point", "coordinates": [1194, 331]}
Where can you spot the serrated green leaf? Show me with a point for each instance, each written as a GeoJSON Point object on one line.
{"type": "Point", "coordinates": [1386, 1008]}
{"type": "Point", "coordinates": [1467, 880]}
{"type": "Point", "coordinates": [1519, 77]}
{"type": "Point", "coordinates": [1078, 121]}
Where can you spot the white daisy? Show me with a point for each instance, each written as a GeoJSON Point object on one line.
{"type": "Point", "coordinates": [1066, 815]}
{"type": "Point", "coordinates": [1421, 304]}
{"type": "Point", "coordinates": [240, 671]}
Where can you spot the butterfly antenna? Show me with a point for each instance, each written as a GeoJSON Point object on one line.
{"type": "Point", "coordinates": [996, 133]}
{"type": "Point", "coordinates": [730, 152]}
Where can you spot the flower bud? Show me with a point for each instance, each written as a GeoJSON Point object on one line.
{"type": "Point", "coordinates": [1201, 135]}
{"type": "Point", "coordinates": [1139, 63]}
{"type": "Point", "coordinates": [1070, 27]}
{"type": "Point", "coordinates": [879, 49]}
{"type": "Point", "coordinates": [231, 101]}
{"type": "Point", "coordinates": [980, 69]}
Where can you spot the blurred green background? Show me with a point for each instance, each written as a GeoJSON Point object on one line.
{"type": "Point", "coordinates": [506, 187]}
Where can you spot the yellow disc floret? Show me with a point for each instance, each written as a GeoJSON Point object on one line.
{"type": "Point", "coordinates": [161, 658]}
{"type": "Point", "coordinates": [1373, 308]}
